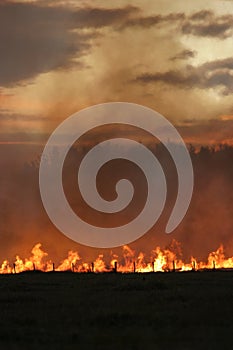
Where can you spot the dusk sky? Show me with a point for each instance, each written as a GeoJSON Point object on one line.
{"type": "Point", "coordinates": [173, 56]}
{"type": "Point", "coordinates": [58, 57]}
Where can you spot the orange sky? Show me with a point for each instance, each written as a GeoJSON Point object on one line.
{"type": "Point", "coordinates": [58, 57]}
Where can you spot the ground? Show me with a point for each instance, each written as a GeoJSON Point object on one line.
{"type": "Point", "coordinates": [191, 310]}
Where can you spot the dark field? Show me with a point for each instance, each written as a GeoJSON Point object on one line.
{"type": "Point", "coordinates": [113, 311]}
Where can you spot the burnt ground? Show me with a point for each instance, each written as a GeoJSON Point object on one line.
{"type": "Point", "coordinates": [191, 310]}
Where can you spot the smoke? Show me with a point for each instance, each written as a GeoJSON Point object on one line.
{"type": "Point", "coordinates": [207, 224]}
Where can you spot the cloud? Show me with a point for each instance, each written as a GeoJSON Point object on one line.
{"type": "Point", "coordinates": [183, 55]}
{"type": "Point", "coordinates": [214, 74]}
{"type": "Point", "coordinates": [100, 17]}
{"type": "Point", "coordinates": [203, 23]}
{"type": "Point", "coordinates": [201, 15]}
{"type": "Point", "coordinates": [207, 24]}
{"type": "Point", "coordinates": [149, 21]}
{"type": "Point", "coordinates": [36, 39]}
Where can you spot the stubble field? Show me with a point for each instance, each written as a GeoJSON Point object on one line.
{"type": "Point", "coordinates": [192, 310]}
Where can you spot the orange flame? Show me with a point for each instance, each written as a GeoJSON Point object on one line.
{"type": "Point", "coordinates": [160, 260]}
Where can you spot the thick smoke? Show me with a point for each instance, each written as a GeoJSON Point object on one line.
{"type": "Point", "coordinates": [208, 222]}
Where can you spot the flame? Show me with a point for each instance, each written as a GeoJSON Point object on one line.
{"type": "Point", "coordinates": [161, 260]}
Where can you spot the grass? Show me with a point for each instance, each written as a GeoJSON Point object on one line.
{"type": "Point", "coordinates": [192, 310]}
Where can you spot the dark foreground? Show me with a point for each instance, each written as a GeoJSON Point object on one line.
{"type": "Point", "coordinates": [113, 311]}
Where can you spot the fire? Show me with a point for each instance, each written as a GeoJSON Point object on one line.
{"type": "Point", "coordinates": [161, 260]}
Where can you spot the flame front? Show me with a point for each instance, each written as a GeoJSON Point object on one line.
{"type": "Point", "coordinates": [161, 260]}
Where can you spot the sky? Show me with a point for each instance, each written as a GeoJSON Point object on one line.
{"type": "Point", "coordinates": [58, 57]}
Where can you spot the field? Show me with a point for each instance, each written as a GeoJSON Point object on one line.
{"type": "Point", "coordinates": [191, 310]}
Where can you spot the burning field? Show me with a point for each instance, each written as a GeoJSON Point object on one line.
{"type": "Point", "coordinates": [160, 260]}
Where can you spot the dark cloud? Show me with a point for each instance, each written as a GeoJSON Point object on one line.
{"type": "Point", "coordinates": [220, 30]}
{"type": "Point", "coordinates": [203, 23]}
{"type": "Point", "coordinates": [100, 17]}
{"type": "Point", "coordinates": [149, 21]}
{"type": "Point", "coordinates": [215, 74]}
{"type": "Point", "coordinates": [171, 78]}
{"type": "Point", "coordinates": [201, 15]}
{"type": "Point", "coordinates": [36, 39]}
{"type": "Point", "coordinates": [207, 24]}
{"type": "Point", "coordinates": [183, 55]}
